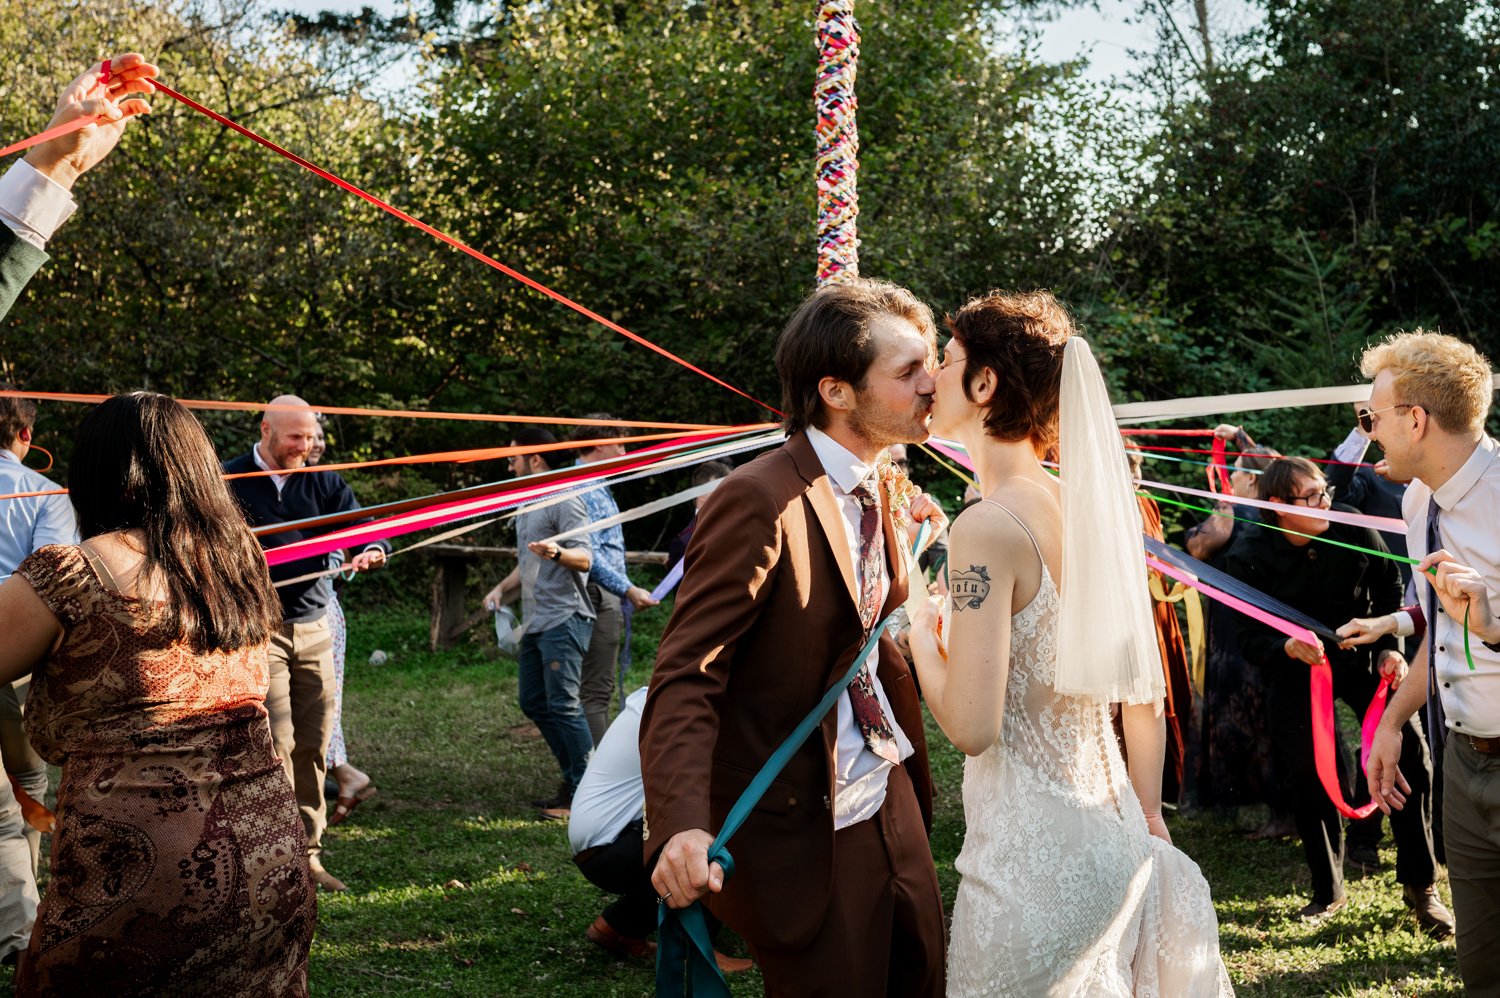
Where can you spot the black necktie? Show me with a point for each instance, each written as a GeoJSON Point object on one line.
{"type": "Point", "coordinates": [1436, 723]}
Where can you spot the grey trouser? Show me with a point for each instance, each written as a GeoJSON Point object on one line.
{"type": "Point", "coordinates": [20, 844]}
{"type": "Point", "coordinates": [300, 702]}
{"type": "Point", "coordinates": [1471, 831]}
{"type": "Point", "coordinates": [597, 689]}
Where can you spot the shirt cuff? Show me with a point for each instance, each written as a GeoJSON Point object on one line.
{"type": "Point", "coordinates": [1405, 626]}
{"type": "Point", "coordinates": [33, 204]}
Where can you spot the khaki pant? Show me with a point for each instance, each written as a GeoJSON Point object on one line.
{"type": "Point", "coordinates": [1471, 832]}
{"type": "Point", "coordinates": [597, 688]}
{"type": "Point", "coordinates": [20, 844]}
{"type": "Point", "coordinates": [301, 703]}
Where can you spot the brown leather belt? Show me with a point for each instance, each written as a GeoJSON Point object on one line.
{"type": "Point", "coordinates": [1484, 746]}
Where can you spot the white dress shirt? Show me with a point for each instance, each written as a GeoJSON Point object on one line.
{"type": "Point", "coordinates": [1470, 503]}
{"type": "Point", "coordinates": [860, 775]}
{"type": "Point", "coordinates": [33, 205]}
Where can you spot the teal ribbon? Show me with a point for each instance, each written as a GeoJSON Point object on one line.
{"type": "Point", "coordinates": [685, 964]}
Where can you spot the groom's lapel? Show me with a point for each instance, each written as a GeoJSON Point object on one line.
{"type": "Point", "coordinates": [826, 505]}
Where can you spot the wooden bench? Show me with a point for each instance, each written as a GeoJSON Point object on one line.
{"type": "Point", "coordinates": [451, 619]}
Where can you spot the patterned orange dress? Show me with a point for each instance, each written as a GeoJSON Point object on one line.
{"type": "Point", "coordinates": [179, 864]}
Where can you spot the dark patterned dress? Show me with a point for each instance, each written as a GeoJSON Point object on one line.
{"type": "Point", "coordinates": [179, 863]}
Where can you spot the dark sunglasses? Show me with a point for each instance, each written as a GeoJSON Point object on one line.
{"type": "Point", "coordinates": [1366, 416]}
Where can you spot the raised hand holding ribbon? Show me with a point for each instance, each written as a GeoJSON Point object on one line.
{"type": "Point", "coordinates": [91, 114]}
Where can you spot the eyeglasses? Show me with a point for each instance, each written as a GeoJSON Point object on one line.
{"type": "Point", "coordinates": [1322, 497]}
{"type": "Point", "coordinates": [1366, 420]}
{"type": "Point", "coordinates": [901, 462]}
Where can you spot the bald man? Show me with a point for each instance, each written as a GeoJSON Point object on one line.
{"type": "Point", "coordinates": [301, 696]}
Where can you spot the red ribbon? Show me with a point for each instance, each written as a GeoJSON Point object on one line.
{"type": "Point", "coordinates": [1325, 737]}
{"type": "Point", "coordinates": [455, 243]}
{"type": "Point", "coordinates": [1217, 463]}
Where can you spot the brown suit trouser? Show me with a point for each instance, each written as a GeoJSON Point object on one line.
{"type": "Point", "coordinates": [300, 702]}
{"type": "Point", "coordinates": [883, 933]}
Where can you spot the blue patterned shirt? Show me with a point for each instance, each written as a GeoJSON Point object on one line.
{"type": "Point", "coordinates": [608, 570]}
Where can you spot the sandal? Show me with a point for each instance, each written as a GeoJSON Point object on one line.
{"type": "Point", "coordinates": [345, 806]}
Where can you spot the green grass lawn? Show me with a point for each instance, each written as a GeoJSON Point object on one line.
{"type": "Point", "coordinates": [456, 887]}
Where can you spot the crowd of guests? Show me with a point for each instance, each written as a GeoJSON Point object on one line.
{"type": "Point", "coordinates": [193, 698]}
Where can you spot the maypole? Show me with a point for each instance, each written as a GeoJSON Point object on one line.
{"type": "Point", "coordinates": [838, 141]}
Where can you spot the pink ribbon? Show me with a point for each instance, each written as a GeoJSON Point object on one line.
{"type": "Point", "coordinates": [1324, 730]}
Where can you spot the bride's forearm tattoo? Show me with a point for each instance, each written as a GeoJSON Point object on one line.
{"type": "Point", "coordinates": [969, 588]}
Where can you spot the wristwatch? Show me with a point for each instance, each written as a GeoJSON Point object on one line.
{"type": "Point", "coordinates": [557, 553]}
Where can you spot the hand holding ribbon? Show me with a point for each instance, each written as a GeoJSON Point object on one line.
{"type": "Point", "coordinates": [91, 114]}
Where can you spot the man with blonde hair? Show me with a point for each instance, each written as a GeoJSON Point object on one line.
{"type": "Point", "coordinates": [1427, 409]}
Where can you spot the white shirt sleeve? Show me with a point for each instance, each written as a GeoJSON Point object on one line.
{"type": "Point", "coordinates": [32, 204]}
{"type": "Point", "coordinates": [1405, 626]}
{"type": "Point", "coordinates": [1353, 448]}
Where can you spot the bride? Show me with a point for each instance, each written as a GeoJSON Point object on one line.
{"type": "Point", "coordinates": [1070, 886]}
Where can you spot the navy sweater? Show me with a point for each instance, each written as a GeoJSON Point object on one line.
{"type": "Point", "coordinates": [302, 496]}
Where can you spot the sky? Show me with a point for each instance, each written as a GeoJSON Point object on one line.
{"type": "Point", "coordinates": [1105, 36]}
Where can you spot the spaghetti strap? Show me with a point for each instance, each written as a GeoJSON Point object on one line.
{"type": "Point", "coordinates": [1031, 537]}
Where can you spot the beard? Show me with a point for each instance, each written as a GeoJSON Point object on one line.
{"type": "Point", "coordinates": [882, 427]}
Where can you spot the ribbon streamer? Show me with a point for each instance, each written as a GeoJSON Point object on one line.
{"type": "Point", "coordinates": [215, 405]}
{"type": "Point", "coordinates": [1212, 405]}
{"type": "Point", "coordinates": [457, 244]}
{"type": "Point", "coordinates": [654, 506]}
{"type": "Point", "coordinates": [448, 512]}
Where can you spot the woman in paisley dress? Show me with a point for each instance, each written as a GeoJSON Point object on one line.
{"type": "Point", "coordinates": [1070, 883]}
{"type": "Point", "coordinates": [179, 862]}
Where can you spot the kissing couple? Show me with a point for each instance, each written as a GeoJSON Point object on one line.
{"type": "Point", "coordinates": [1070, 884]}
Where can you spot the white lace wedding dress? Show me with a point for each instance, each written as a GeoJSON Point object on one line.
{"type": "Point", "coordinates": [1064, 892]}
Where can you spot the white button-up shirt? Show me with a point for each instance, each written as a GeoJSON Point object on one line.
{"type": "Point", "coordinates": [860, 775]}
{"type": "Point", "coordinates": [1467, 526]}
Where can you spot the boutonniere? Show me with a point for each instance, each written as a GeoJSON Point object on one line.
{"type": "Point", "coordinates": [899, 490]}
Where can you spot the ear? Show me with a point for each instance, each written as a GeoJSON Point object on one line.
{"type": "Point", "coordinates": [1422, 422]}
{"type": "Point", "coordinates": [836, 394]}
{"type": "Point", "coordinates": [982, 387]}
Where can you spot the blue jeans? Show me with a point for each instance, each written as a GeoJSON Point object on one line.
{"type": "Point", "coordinates": [551, 671]}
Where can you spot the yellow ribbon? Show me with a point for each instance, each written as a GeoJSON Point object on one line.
{"type": "Point", "coordinates": [1197, 646]}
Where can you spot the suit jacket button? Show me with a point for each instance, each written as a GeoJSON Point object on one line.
{"type": "Point", "coordinates": [826, 803]}
{"type": "Point", "coordinates": [791, 802]}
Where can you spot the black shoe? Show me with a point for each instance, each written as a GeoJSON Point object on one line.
{"type": "Point", "coordinates": [1367, 858]}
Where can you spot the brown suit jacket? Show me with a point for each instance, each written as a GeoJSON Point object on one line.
{"type": "Point", "coordinates": [766, 621]}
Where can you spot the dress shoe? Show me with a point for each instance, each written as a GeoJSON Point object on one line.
{"type": "Point", "coordinates": [324, 879]}
{"type": "Point", "coordinates": [1367, 858]}
{"type": "Point", "coordinates": [1316, 912]}
{"type": "Point", "coordinates": [603, 935]}
{"type": "Point", "coordinates": [733, 964]}
{"type": "Point", "coordinates": [1434, 917]}
{"type": "Point", "coordinates": [563, 814]}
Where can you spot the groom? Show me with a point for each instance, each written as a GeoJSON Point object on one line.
{"type": "Point", "coordinates": [794, 560]}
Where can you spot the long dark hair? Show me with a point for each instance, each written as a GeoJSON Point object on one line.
{"type": "Point", "coordinates": [142, 462]}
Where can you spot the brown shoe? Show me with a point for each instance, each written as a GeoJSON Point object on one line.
{"type": "Point", "coordinates": [603, 935]}
{"type": "Point", "coordinates": [1315, 912]}
{"type": "Point", "coordinates": [1434, 917]}
{"type": "Point", "coordinates": [562, 814]}
{"type": "Point", "coordinates": [732, 964]}
{"type": "Point", "coordinates": [323, 878]}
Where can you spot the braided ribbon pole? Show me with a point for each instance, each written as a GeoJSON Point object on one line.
{"type": "Point", "coordinates": [838, 141]}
